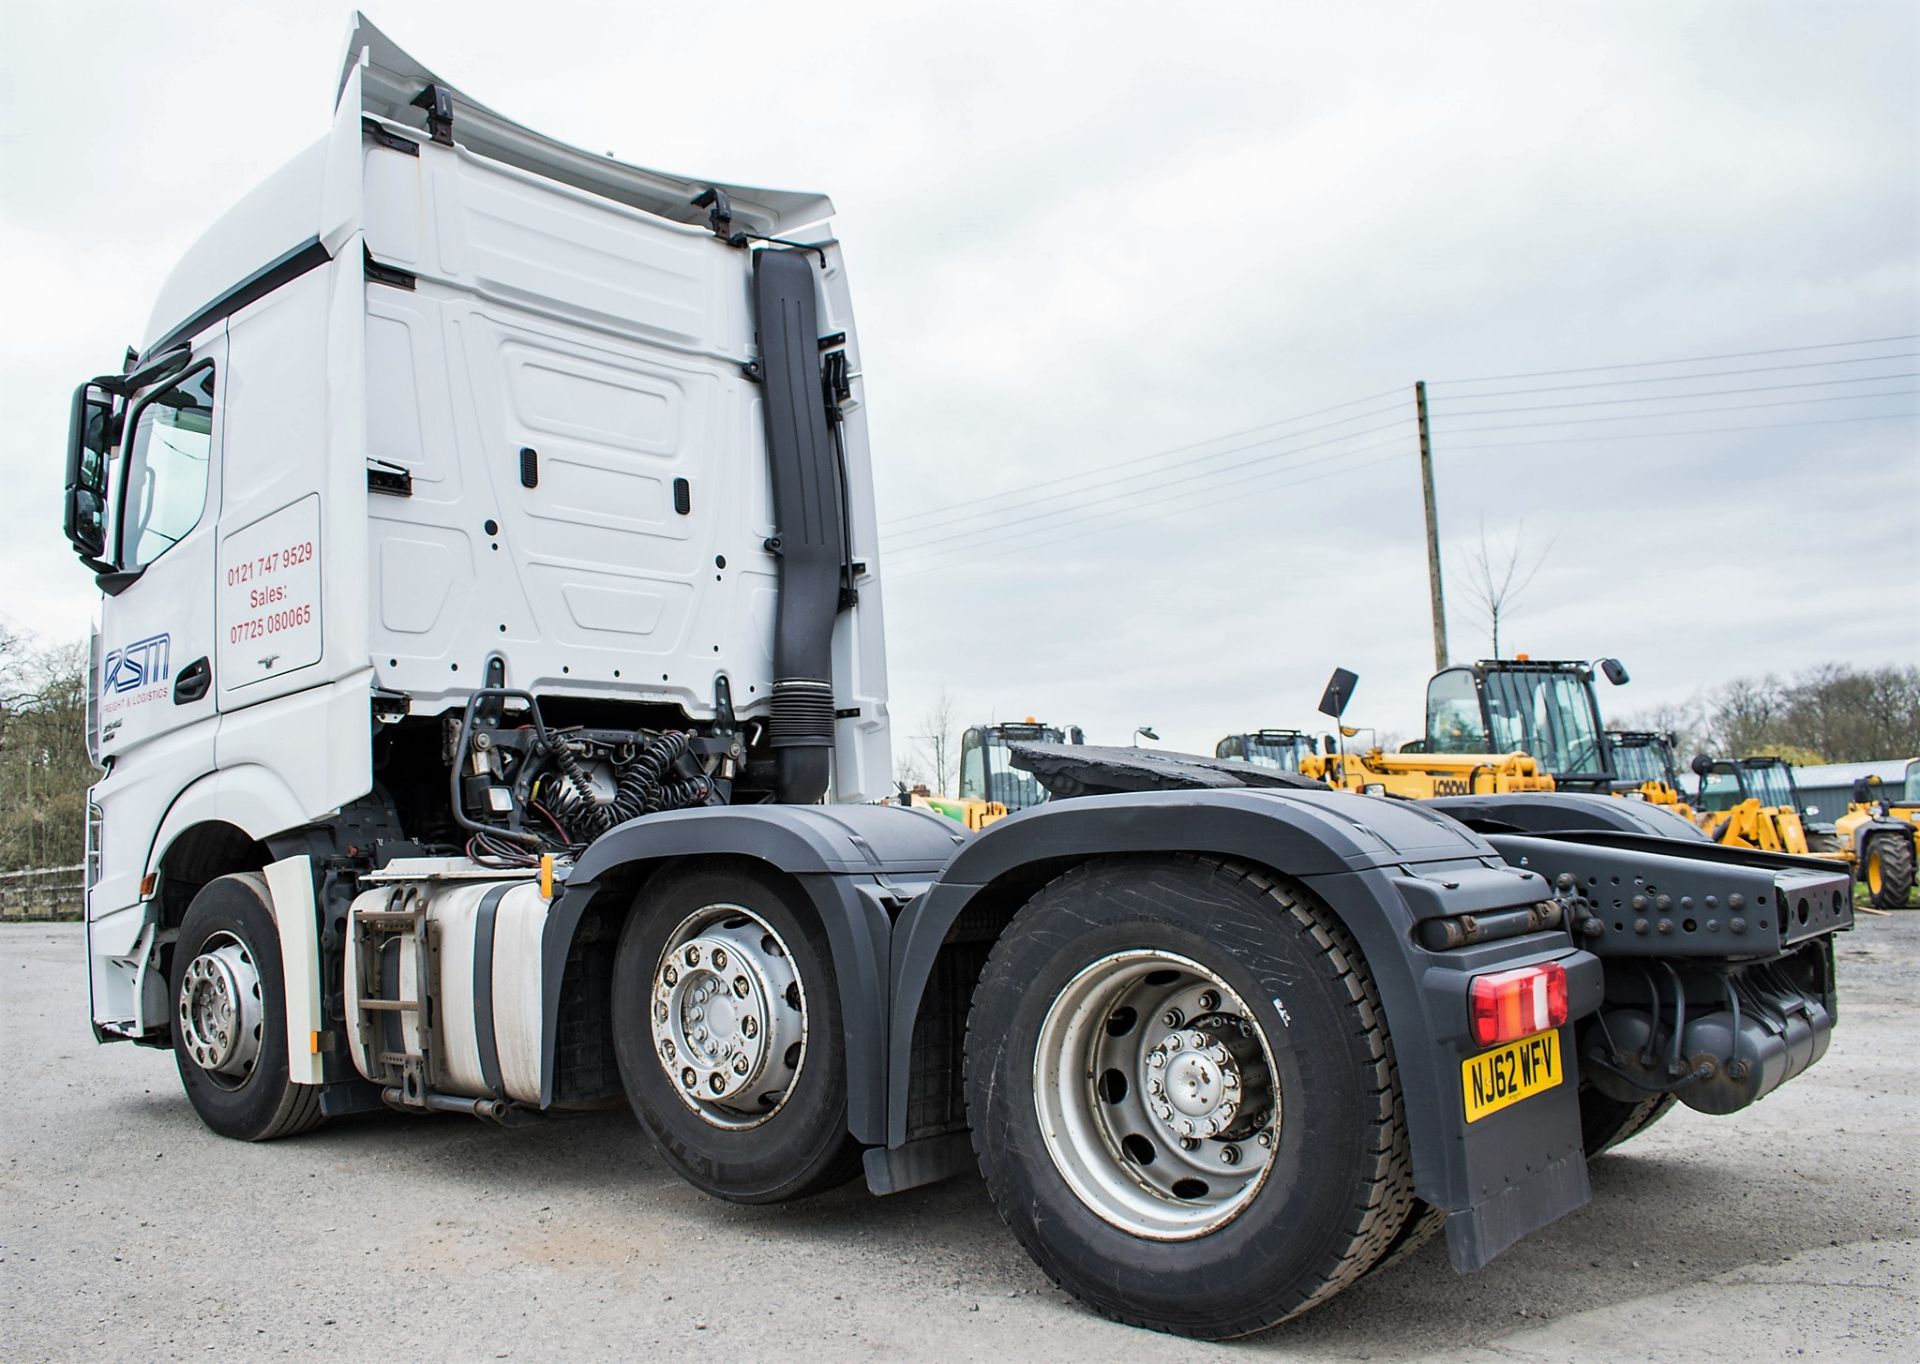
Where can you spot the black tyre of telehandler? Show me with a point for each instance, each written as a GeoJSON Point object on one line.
{"type": "Point", "coordinates": [1886, 866]}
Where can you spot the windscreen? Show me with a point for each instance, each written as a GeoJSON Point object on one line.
{"type": "Point", "coordinates": [1913, 783]}
{"type": "Point", "coordinates": [1639, 763]}
{"type": "Point", "coordinates": [1283, 754]}
{"type": "Point", "coordinates": [1015, 789]}
{"type": "Point", "coordinates": [1548, 714]}
{"type": "Point", "coordinates": [1773, 784]}
{"type": "Point", "coordinates": [1721, 789]}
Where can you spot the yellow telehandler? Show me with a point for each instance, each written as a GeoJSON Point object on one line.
{"type": "Point", "coordinates": [991, 788]}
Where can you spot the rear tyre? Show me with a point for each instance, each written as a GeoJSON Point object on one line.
{"type": "Point", "coordinates": [1887, 869]}
{"type": "Point", "coordinates": [229, 1015]}
{"type": "Point", "coordinates": [727, 1028]}
{"type": "Point", "coordinates": [1183, 1096]}
{"type": "Point", "coordinates": [1605, 1123]}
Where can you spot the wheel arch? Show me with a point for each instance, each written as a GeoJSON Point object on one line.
{"type": "Point", "coordinates": [1307, 839]}
{"type": "Point", "coordinates": [853, 867]}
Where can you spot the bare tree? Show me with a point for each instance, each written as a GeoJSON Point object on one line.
{"type": "Point", "coordinates": [1497, 575]}
{"type": "Point", "coordinates": [938, 745]}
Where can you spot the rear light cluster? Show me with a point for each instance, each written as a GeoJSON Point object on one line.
{"type": "Point", "coordinates": [1509, 1005]}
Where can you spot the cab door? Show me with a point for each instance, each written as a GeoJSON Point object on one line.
{"type": "Point", "coordinates": [157, 630]}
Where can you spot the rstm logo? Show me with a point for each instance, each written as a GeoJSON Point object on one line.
{"type": "Point", "coordinates": [140, 664]}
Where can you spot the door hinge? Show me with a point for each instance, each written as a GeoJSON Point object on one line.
{"type": "Point", "coordinates": [383, 136]}
{"type": "Point", "coordinates": [384, 476]}
{"type": "Point", "coordinates": [437, 100]}
{"type": "Point", "coordinates": [387, 274]}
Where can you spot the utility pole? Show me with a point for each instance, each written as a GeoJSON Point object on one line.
{"type": "Point", "coordinates": [1433, 529]}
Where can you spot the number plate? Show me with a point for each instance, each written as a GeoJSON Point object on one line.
{"type": "Point", "coordinates": [1495, 1079]}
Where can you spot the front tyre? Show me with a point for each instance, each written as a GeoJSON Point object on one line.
{"type": "Point", "coordinates": [1183, 1096]}
{"type": "Point", "coordinates": [229, 1015]}
{"type": "Point", "coordinates": [1887, 869]}
{"type": "Point", "coordinates": [727, 1028]}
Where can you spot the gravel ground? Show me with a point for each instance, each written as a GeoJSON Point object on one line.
{"type": "Point", "coordinates": [128, 1231]}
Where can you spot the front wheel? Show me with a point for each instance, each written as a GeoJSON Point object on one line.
{"type": "Point", "coordinates": [1183, 1096]}
{"type": "Point", "coordinates": [1888, 869]}
{"type": "Point", "coordinates": [229, 1015]}
{"type": "Point", "coordinates": [727, 1028]}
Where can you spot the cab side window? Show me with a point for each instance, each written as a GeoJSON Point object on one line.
{"type": "Point", "coordinates": [1453, 714]}
{"type": "Point", "coordinates": [168, 458]}
{"type": "Point", "coordinates": [973, 768]}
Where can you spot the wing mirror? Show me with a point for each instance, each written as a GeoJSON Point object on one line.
{"type": "Point", "coordinates": [1616, 673]}
{"type": "Point", "coordinates": [1333, 701]}
{"type": "Point", "coordinates": [90, 436]}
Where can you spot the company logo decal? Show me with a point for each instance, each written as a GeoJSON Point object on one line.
{"type": "Point", "coordinates": [140, 664]}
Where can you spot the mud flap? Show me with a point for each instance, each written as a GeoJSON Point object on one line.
{"type": "Point", "coordinates": [1476, 1234]}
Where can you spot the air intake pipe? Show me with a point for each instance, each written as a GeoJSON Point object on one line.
{"type": "Point", "coordinates": [810, 538]}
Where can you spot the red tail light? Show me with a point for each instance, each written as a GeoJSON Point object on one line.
{"type": "Point", "coordinates": [1510, 1005]}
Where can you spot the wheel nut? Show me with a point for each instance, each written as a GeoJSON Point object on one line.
{"type": "Point", "coordinates": [1188, 1144]}
{"type": "Point", "coordinates": [693, 954]}
{"type": "Point", "coordinates": [1266, 1138]}
{"type": "Point", "coordinates": [740, 986]}
{"type": "Point", "coordinates": [750, 1026]}
{"type": "Point", "coordinates": [688, 1078]}
{"type": "Point", "coordinates": [1187, 1128]}
{"type": "Point", "coordinates": [1229, 1155]}
{"type": "Point", "coordinates": [716, 1084]}
{"type": "Point", "coordinates": [719, 958]}
{"type": "Point", "coordinates": [1173, 1018]}
{"type": "Point", "coordinates": [660, 1010]}
{"type": "Point", "coordinates": [666, 1047]}
{"type": "Point", "coordinates": [1209, 1001]}
{"type": "Point", "coordinates": [1156, 1058]}
{"type": "Point", "coordinates": [739, 1065]}
{"type": "Point", "coordinates": [670, 975]}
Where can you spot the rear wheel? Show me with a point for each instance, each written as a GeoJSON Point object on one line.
{"type": "Point", "coordinates": [727, 1029]}
{"type": "Point", "coordinates": [1887, 869]}
{"type": "Point", "coordinates": [1605, 1122]}
{"type": "Point", "coordinates": [229, 1015]}
{"type": "Point", "coordinates": [1183, 1097]}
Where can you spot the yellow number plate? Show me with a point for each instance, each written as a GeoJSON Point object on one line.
{"type": "Point", "coordinates": [1495, 1079]}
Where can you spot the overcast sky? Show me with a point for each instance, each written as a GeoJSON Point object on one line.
{"type": "Point", "coordinates": [1082, 237]}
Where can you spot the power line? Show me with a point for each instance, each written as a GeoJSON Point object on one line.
{"type": "Point", "coordinates": [1207, 496]}
{"type": "Point", "coordinates": [1681, 397]}
{"type": "Point", "coordinates": [1152, 473]}
{"type": "Point", "coordinates": [928, 566]}
{"type": "Point", "coordinates": [1694, 412]}
{"type": "Point", "coordinates": [1688, 378]}
{"type": "Point", "coordinates": [1173, 482]}
{"type": "Point", "coordinates": [1142, 459]}
{"type": "Point", "coordinates": [1687, 360]}
{"type": "Point", "coordinates": [1698, 431]}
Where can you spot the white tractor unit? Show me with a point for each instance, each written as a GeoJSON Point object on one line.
{"type": "Point", "coordinates": [491, 691]}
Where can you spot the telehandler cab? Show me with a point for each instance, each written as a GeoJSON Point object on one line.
{"type": "Point", "coordinates": [1755, 803]}
{"type": "Point", "coordinates": [1283, 749]}
{"type": "Point", "coordinates": [491, 690]}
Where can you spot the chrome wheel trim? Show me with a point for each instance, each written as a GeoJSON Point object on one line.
{"type": "Point", "coordinates": [729, 1016]}
{"type": "Point", "coordinates": [219, 1011]}
{"type": "Point", "coordinates": [1155, 1091]}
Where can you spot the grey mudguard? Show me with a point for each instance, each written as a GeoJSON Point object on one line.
{"type": "Point", "coordinates": [1553, 812]}
{"type": "Point", "coordinates": [857, 864]}
{"type": "Point", "coordinates": [1381, 866]}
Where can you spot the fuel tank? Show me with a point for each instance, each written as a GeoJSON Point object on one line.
{"type": "Point", "coordinates": [444, 981]}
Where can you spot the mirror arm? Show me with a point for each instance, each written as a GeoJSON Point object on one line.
{"type": "Point", "coordinates": [113, 581]}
